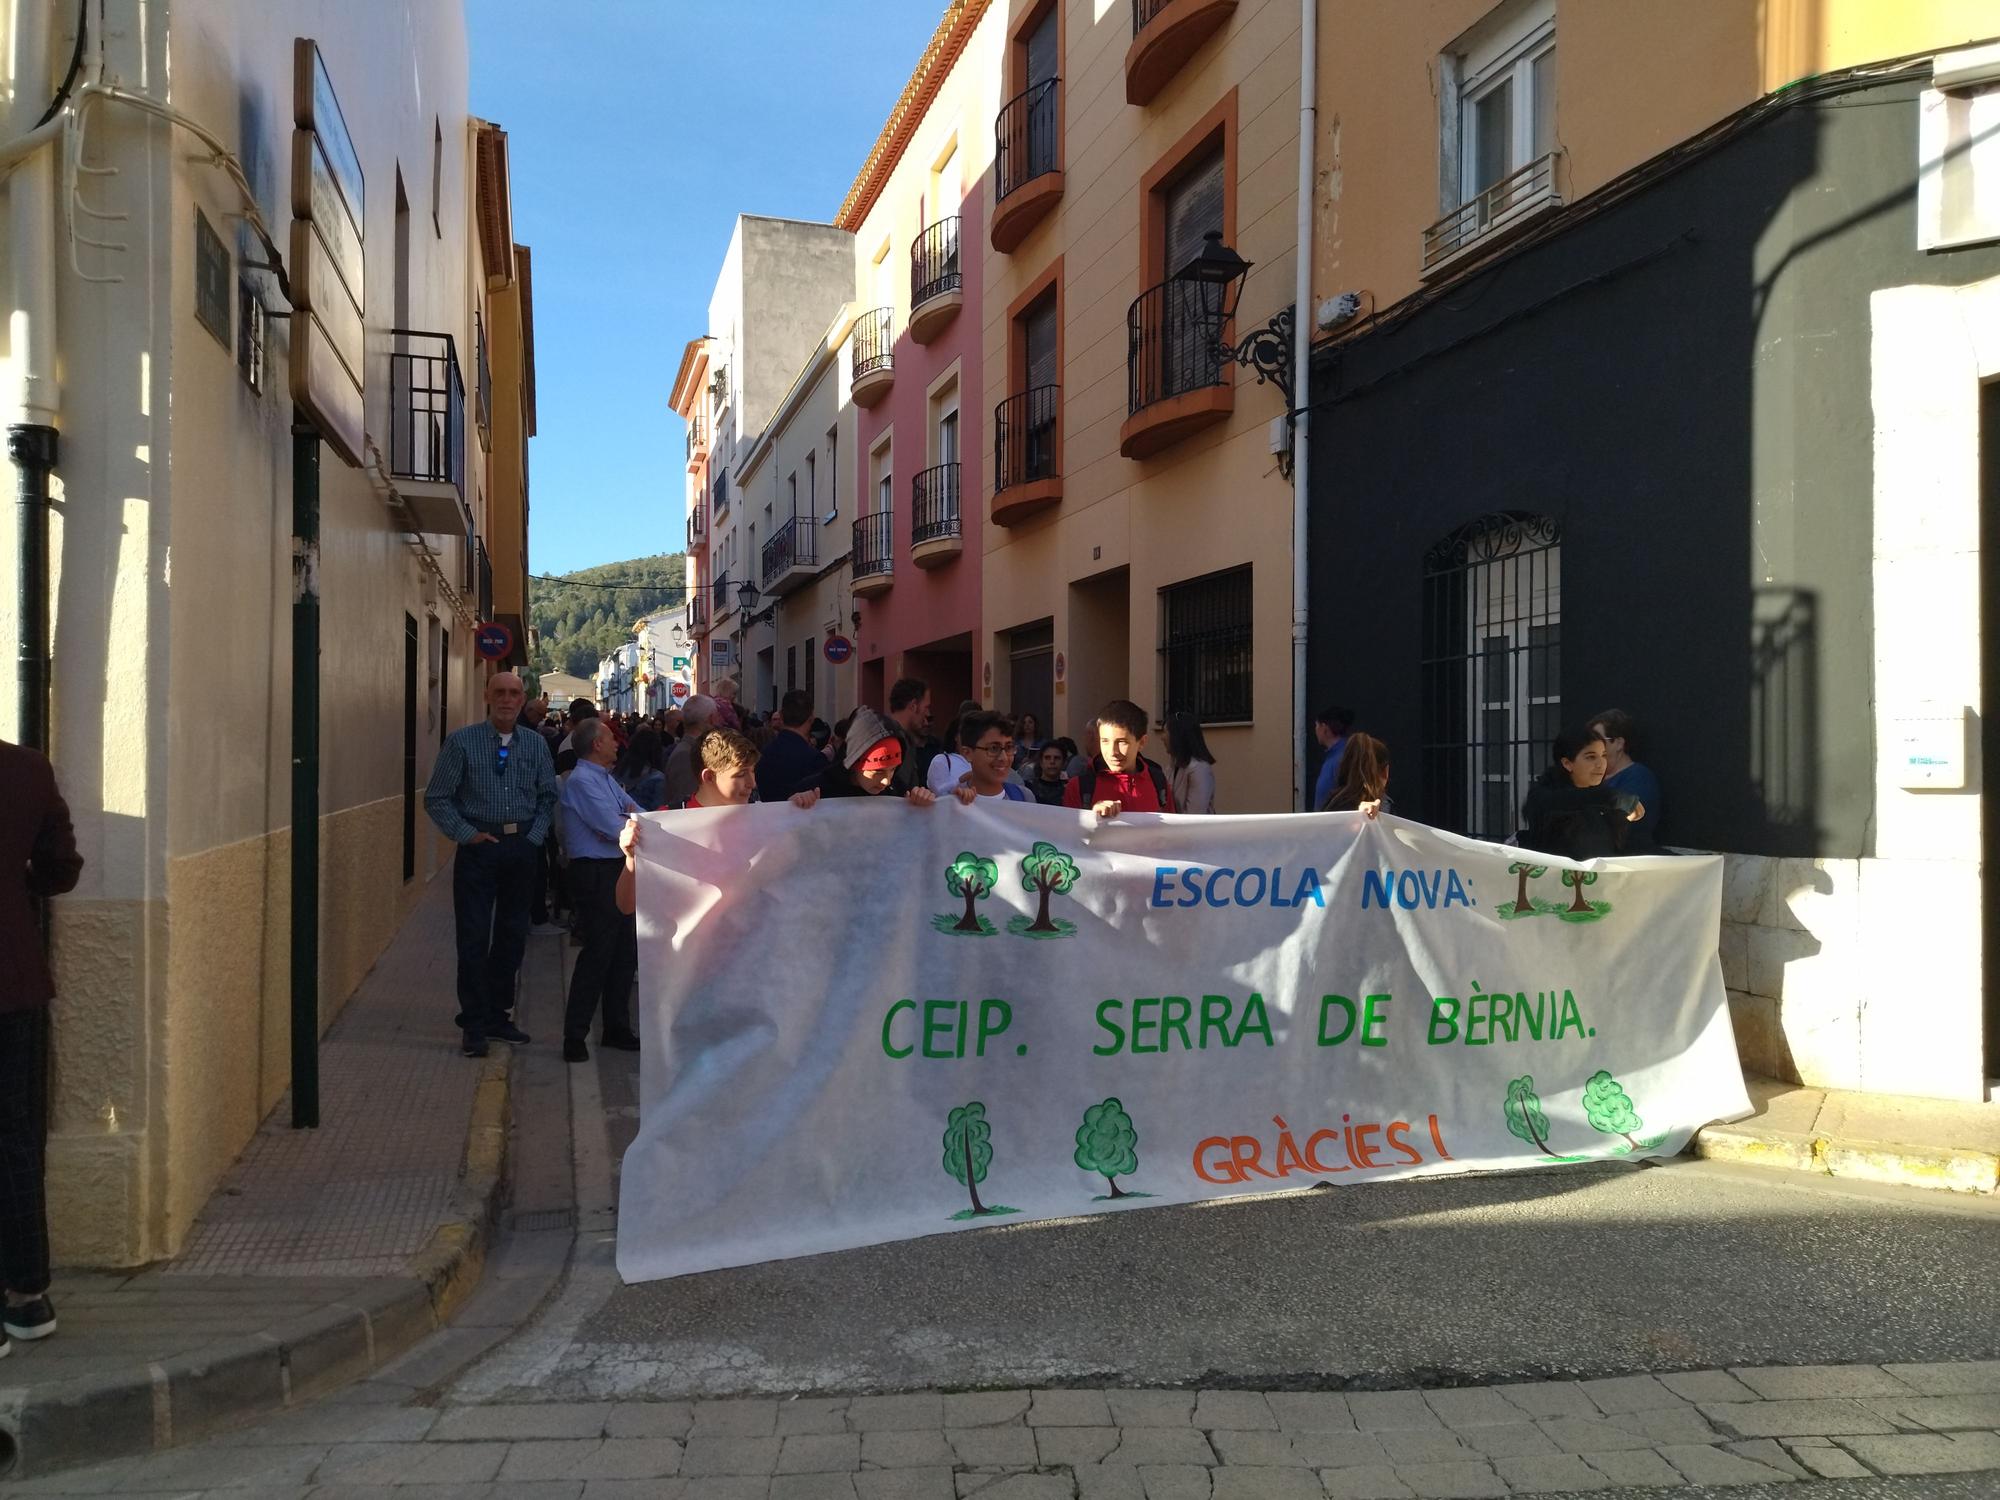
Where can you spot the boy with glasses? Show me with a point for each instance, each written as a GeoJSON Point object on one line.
{"type": "Point", "coordinates": [986, 739]}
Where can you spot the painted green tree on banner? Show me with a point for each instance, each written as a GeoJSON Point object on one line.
{"type": "Point", "coordinates": [1525, 1117]}
{"type": "Point", "coordinates": [1527, 871]}
{"type": "Point", "coordinates": [968, 1149]}
{"type": "Point", "coordinates": [1578, 879]}
{"type": "Point", "coordinates": [1048, 871]}
{"type": "Point", "coordinates": [1107, 1143]}
{"type": "Point", "coordinates": [1609, 1108]}
{"type": "Point", "coordinates": [975, 879]}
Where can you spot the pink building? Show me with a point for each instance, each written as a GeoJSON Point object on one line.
{"type": "Point", "coordinates": [918, 221]}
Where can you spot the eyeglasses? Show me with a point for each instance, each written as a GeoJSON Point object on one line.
{"type": "Point", "coordinates": [1002, 748]}
{"type": "Point", "coordinates": [500, 760]}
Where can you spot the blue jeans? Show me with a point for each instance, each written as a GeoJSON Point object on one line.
{"type": "Point", "coordinates": [491, 888]}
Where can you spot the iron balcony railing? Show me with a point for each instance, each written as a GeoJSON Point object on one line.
{"type": "Point", "coordinates": [698, 520]}
{"type": "Point", "coordinates": [1024, 437]}
{"type": "Point", "coordinates": [795, 545]}
{"type": "Point", "coordinates": [934, 505]}
{"type": "Point", "coordinates": [1510, 198]}
{"type": "Point", "coordinates": [697, 610]}
{"type": "Point", "coordinates": [1172, 346]}
{"type": "Point", "coordinates": [720, 491]}
{"type": "Point", "coordinates": [485, 582]}
{"type": "Point", "coordinates": [426, 410]}
{"type": "Point", "coordinates": [1024, 137]}
{"type": "Point", "coordinates": [697, 439]}
{"type": "Point", "coordinates": [722, 594]}
{"type": "Point", "coordinates": [874, 341]}
{"type": "Point", "coordinates": [875, 545]}
{"type": "Point", "coordinates": [1143, 12]}
{"type": "Point", "coordinates": [485, 368]}
{"type": "Point", "coordinates": [934, 268]}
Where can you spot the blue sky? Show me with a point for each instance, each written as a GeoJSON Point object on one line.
{"type": "Point", "coordinates": [638, 130]}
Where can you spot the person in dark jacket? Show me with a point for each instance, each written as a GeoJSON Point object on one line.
{"type": "Point", "coordinates": [1569, 811]}
{"type": "Point", "coordinates": [869, 768]}
{"type": "Point", "coordinates": [1362, 784]}
{"type": "Point", "coordinates": [37, 842]}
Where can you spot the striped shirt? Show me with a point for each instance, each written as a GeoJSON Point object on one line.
{"type": "Point", "coordinates": [473, 791]}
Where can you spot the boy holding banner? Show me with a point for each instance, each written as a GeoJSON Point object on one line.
{"type": "Point", "coordinates": [1128, 782]}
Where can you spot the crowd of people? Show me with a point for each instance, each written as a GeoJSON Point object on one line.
{"type": "Point", "coordinates": [544, 806]}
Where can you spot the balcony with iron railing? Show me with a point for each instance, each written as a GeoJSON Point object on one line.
{"type": "Point", "coordinates": [1177, 369]}
{"type": "Point", "coordinates": [1027, 454]}
{"type": "Point", "coordinates": [427, 430]}
{"type": "Point", "coordinates": [719, 496]}
{"type": "Point", "coordinates": [697, 611]}
{"type": "Point", "coordinates": [697, 441]}
{"type": "Point", "coordinates": [721, 598]}
{"type": "Point", "coordinates": [874, 555]}
{"type": "Point", "coordinates": [698, 521]}
{"type": "Point", "coordinates": [1493, 215]}
{"type": "Point", "coordinates": [1165, 34]}
{"type": "Point", "coordinates": [937, 288]}
{"type": "Point", "coordinates": [1027, 162]}
{"type": "Point", "coordinates": [937, 531]}
{"type": "Point", "coordinates": [791, 556]}
{"type": "Point", "coordinates": [874, 345]}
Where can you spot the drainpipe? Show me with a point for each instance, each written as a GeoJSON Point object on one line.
{"type": "Point", "coordinates": [1302, 326]}
{"type": "Point", "coordinates": [31, 318]}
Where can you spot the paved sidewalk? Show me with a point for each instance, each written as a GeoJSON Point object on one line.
{"type": "Point", "coordinates": [1748, 1426]}
{"type": "Point", "coordinates": [324, 1253]}
{"type": "Point", "coordinates": [1931, 1143]}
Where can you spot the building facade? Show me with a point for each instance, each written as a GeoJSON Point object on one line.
{"type": "Point", "coordinates": [917, 376]}
{"type": "Point", "coordinates": [781, 282]}
{"type": "Point", "coordinates": [1669, 393]}
{"type": "Point", "coordinates": [1139, 520]}
{"type": "Point", "coordinates": [162, 355]}
{"type": "Point", "coordinates": [791, 480]}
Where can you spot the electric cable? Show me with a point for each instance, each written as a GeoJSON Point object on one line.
{"type": "Point", "coordinates": [75, 65]}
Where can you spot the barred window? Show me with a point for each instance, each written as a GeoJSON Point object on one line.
{"type": "Point", "coordinates": [1205, 647]}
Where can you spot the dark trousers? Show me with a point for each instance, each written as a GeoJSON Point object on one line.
{"type": "Point", "coordinates": [24, 1137]}
{"type": "Point", "coordinates": [491, 886]}
{"type": "Point", "coordinates": [610, 957]}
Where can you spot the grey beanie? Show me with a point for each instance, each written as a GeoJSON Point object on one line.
{"type": "Point", "coordinates": [865, 731]}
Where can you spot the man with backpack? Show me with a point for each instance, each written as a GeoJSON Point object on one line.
{"type": "Point", "coordinates": [1127, 781]}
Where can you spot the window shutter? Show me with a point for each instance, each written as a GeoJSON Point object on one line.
{"type": "Point", "coordinates": [1039, 331]}
{"type": "Point", "coordinates": [1043, 64]}
{"type": "Point", "coordinates": [1194, 207]}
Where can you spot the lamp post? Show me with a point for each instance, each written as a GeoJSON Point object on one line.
{"type": "Point", "coordinates": [1211, 286]}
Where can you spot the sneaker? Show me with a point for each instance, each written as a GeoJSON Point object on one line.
{"type": "Point", "coordinates": [507, 1031]}
{"type": "Point", "coordinates": [619, 1041]}
{"type": "Point", "coordinates": [30, 1320]}
{"type": "Point", "coordinates": [475, 1044]}
{"type": "Point", "coordinates": [574, 1049]}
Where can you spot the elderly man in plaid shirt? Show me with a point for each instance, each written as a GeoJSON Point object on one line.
{"type": "Point", "coordinates": [493, 793]}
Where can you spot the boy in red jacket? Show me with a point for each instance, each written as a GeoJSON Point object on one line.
{"type": "Point", "coordinates": [1129, 782]}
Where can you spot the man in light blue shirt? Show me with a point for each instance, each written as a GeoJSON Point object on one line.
{"type": "Point", "coordinates": [595, 808]}
{"type": "Point", "coordinates": [493, 793]}
{"type": "Point", "coordinates": [1330, 729]}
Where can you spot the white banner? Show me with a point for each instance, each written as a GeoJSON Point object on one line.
{"type": "Point", "coordinates": [872, 1021]}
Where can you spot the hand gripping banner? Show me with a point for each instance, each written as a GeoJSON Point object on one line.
{"type": "Point", "coordinates": [871, 1021]}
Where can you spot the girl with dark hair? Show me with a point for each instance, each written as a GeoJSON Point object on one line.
{"type": "Point", "coordinates": [1193, 767]}
{"type": "Point", "coordinates": [642, 768]}
{"type": "Point", "coordinates": [1362, 784]}
{"type": "Point", "coordinates": [1028, 742]}
{"type": "Point", "coordinates": [1569, 811]}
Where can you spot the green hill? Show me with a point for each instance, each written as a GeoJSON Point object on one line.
{"type": "Point", "coordinates": [577, 621]}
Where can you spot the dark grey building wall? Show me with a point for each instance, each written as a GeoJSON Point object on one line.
{"type": "Point", "coordinates": [1682, 381]}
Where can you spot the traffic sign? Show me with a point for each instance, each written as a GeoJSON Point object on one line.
{"type": "Point", "coordinates": [493, 641]}
{"type": "Point", "coordinates": [680, 689]}
{"type": "Point", "coordinates": [838, 649]}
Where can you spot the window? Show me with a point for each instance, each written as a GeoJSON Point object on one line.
{"type": "Point", "coordinates": [792, 490]}
{"type": "Point", "coordinates": [1506, 101]}
{"type": "Point", "coordinates": [811, 651]}
{"type": "Point", "coordinates": [791, 668]}
{"type": "Point", "coordinates": [250, 336]}
{"type": "Point", "coordinates": [1205, 647]}
{"type": "Point", "coordinates": [437, 175]}
{"type": "Point", "coordinates": [1492, 669]}
{"type": "Point", "coordinates": [212, 281]}
{"type": "Point", "coordinates": [1497, 129]}
{"type": "Point", "coordinates": [947, 436]}
{"type": "Point", "coordinates": [1958, 156]}
{"type": "Point", "coordinates": [832, 474]}
{"type": "Point", "coordinates": [812, 486]}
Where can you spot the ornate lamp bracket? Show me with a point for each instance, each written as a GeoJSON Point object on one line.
{"type": "Point", "coordinates": [1268, 351]}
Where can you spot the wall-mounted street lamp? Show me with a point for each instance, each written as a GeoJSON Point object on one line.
{"type": "Point", "coordinates": [1211, 286]}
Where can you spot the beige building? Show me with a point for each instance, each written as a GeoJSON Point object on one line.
{"type": "Point", "coordinates": [1139, 536]}
{"type": "Point", "coordinates": [155, 342]}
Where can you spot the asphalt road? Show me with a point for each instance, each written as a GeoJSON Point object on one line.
{"type": "Point", "coordinates": [1574, 1272]}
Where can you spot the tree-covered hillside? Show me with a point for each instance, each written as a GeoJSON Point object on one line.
{"type": "Point", "coordinates": [576, 625]}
